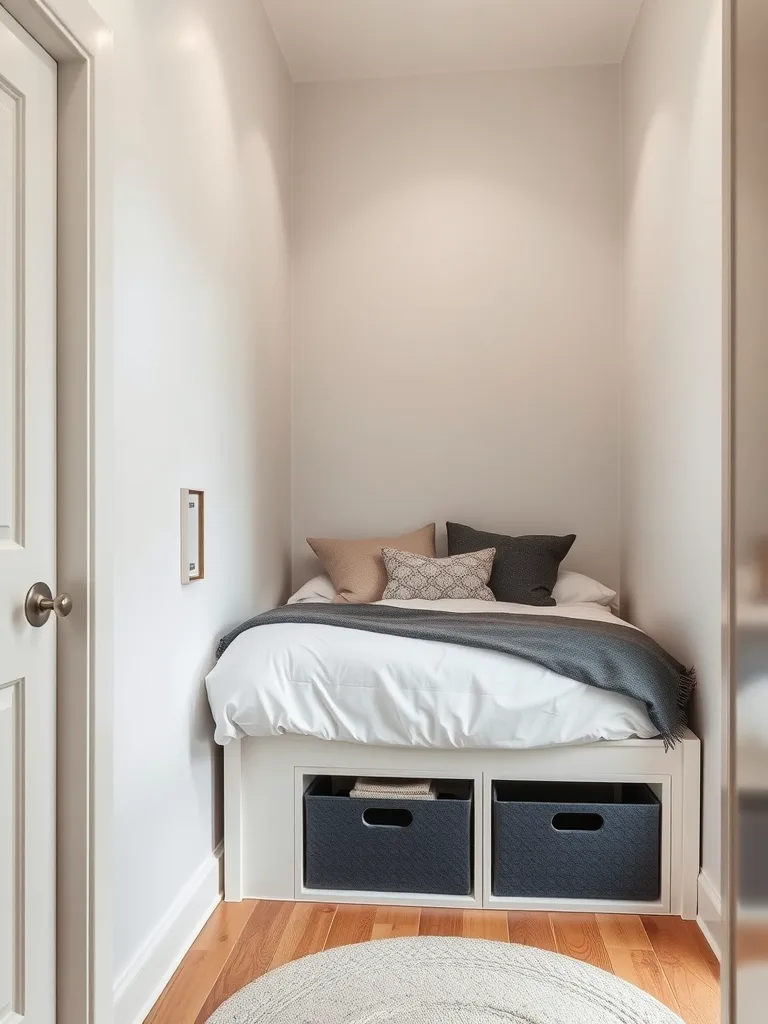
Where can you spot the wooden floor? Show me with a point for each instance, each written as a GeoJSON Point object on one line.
{"type": "Point", "coordinates": [241, 941]}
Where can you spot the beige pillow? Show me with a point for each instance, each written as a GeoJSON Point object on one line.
{"type": "Point", "coordinates": [356, 567]}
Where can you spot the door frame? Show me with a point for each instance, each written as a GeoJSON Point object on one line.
{"type": "Point", "coordinates": [81, 44]}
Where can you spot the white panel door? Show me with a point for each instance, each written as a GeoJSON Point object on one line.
{"type": "Point", "coordinates": [27, 526]}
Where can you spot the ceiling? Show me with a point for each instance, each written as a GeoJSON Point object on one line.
{"type": "Point", "coordinates": [325, 40]}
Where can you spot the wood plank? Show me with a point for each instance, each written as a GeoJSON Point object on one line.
{"type": "Point", "coordinates": [705, 949]}
{"type": "Point", "coordinates": [692, 978]}
{"type": "Point", "coordinates": [486, 924]}
{"type": "Point", "coordinates": [578, 936]}
{"type": "Point", "coordinates": [622, 931]}
{"type": "Point", "coordinates": [225, 926]}
{"type": "Point", "coordinates": [670, 934]}
{"type": "Point", "coordinates": [441, 921]}
{"type": "Point", "coordinates": [351, 924]}
{"type": "Point", "coordinates": [188, 990]}
{"type": "Point", "coordinates": [184, 994]}
{"type": "Point", "coordinates": [396, 922]}
{"type": "Point", "coordinates": [305, 933]}
{"type": "Point", "coordinates": [251, 957]}
{"type": "Point", "coordinates": [642, 968]}
{"type": "Point", "coordinates": [531, 929]}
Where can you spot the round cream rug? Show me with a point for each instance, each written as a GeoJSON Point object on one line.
{"type": "Point", "coordinates": [440, 981]}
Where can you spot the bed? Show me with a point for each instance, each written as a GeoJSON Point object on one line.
{"type": "Point", "coordinates": [360, 687]}
{"type": "Point", "coordinates": [292, 702]}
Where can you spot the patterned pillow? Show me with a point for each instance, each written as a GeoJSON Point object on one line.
{"type": "Point", "coordinates": [460, 577]}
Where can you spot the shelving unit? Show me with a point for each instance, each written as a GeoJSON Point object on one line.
{"type": "Point", "coordinates": [265, 780]}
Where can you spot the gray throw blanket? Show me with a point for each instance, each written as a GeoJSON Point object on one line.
{"type": "Point", "coordinates": [608, 655]}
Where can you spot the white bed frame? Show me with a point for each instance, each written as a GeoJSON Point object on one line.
{"type": "Point", "coordinates": [264, 782]}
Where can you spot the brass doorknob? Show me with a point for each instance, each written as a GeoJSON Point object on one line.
{"type": "Point", "coordinates": [40, 602]}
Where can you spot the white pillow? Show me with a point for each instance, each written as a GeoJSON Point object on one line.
{"type": "Point", "coordinates": [573, 588]}
{"type": "Point", "coordinates": [318, 589]}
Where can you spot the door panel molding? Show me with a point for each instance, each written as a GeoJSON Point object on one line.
{"type": "Point", "coordinates": [11, 283]}
{"type": "Point", "coordinates": [12, 850]}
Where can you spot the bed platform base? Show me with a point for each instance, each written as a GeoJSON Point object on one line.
{"type": "Point", "coordinates": [264, 782]}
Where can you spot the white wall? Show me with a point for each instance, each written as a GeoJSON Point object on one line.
{"type": "Point", "coordinates": [672, 408]}
{"type": "Point", "coordinates": [458, 307]}
{"type": "Point", "coordinates": [203, 142]}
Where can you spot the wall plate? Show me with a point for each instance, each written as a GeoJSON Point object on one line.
{"type": "Point", "coordinates": [192, 535]}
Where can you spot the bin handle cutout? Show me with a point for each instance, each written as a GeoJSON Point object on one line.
{"type": "Point", "coordinates": [575, 821]}
{"type": "Point", "coordinates": [387, 817]}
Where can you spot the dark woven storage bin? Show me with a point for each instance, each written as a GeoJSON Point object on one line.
{"type": "Point", "coordinates": [572, 840]}
{"type": "Point", "coordinates": [408, 846]}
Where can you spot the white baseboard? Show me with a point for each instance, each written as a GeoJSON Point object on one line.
{"type": "Point", "coordinates": [143, 980]}
{"type": "Point", "coordinates": [710, 916]}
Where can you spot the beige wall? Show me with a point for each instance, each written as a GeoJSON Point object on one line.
{"type": "Point", "coordinates": [457, 307]}
{"type": "Point", "coordinates": [202, 199]}
{"type": "Point", "coordinates": [672, 406]}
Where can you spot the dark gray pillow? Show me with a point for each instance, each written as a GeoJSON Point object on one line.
{"type": "Point", "coordinates": [524, 569]}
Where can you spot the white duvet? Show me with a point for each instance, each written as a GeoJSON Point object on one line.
{"type": "Point", "coordinates": [345, 684]}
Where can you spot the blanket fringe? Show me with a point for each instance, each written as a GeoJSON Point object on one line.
{"type": "Point", "coordinates": [688, 682]}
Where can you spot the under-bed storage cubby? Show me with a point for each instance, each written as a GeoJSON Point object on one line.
{"type": "Point", "coordinates": [576, 840]}
{"type": "Point", "coordinates": [388, 845]}
{"type": "Point", "coordinates": [266, 781]}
